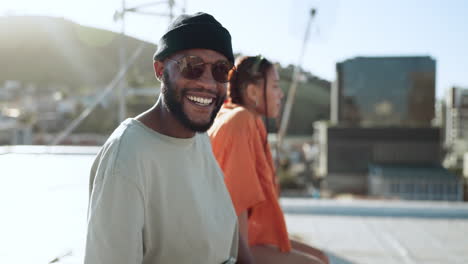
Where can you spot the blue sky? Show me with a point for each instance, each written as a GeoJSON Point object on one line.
{"type": "Point", "coordinates": [274, 28]}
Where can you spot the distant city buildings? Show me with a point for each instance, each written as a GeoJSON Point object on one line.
{"type": "Point", "coordinates": [346, 153]}
{"type": "Point", "coordinates": [465, 165]}
{"type": "Point", "coordinates": [33, 114]}
{"type": "Point", "coordinates": [381, 140]}
{"type": "Point", "coordinates": [13, 132]}
{"type": "Point", "coordinates": [456, 126]}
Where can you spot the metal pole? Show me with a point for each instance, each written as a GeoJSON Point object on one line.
{"type": "Point", "coordinates": [123, 83]}
{"type": "Point", "coordinates": [122, 95]}
{"type": "Point", "coordinates": [292, 90]}
{"type": "Point", "coordinates": [149, 13]}
{"type": "Point", "coordinates": [171, 14]}
{"type": "Point", "coordinates": [119, 79]}
{"type": "Point", "coordinates": [120, 75]}
{"type": "Point", "coordinates": [144, 5]}
{"type": "Point", "coordinates": [184, 6]}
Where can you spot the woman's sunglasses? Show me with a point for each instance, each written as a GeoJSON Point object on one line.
{"type": "Point", "coordinates": [192, 67]}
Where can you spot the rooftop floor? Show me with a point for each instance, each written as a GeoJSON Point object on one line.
{"type": "Point", "coordinates": [382, 231]}
{"type": "Point", "coordinates": [44, 194]}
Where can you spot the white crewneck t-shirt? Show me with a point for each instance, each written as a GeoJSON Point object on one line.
{"type": "Point", "coordinates": [158, 199]}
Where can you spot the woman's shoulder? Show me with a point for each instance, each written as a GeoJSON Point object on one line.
{"type": "Point", "coordinates": [239, 115]}
{"type": "Point", "coordinates": [232, 121]}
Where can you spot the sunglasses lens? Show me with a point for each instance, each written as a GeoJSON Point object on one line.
{"type": "Point", "coordinates": [220, 71]}
{"type": "Point", "coordinates": [192, 67]}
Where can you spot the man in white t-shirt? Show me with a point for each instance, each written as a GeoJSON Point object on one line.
{"type": "Point", "coordinates": [157, 194]}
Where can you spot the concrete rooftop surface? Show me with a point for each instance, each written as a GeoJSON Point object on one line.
{"type": "Point", "coordinates": [44, 195]}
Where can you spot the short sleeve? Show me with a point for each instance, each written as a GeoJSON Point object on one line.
{"type": "Point", "coordinates": [115, 219]}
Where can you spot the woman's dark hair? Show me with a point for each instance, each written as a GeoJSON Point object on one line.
{"type": "Point", "coordinates": [249, 70]}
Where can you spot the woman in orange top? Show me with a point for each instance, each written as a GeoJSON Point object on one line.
{"type": "Point", "coordinates": [239, 141]}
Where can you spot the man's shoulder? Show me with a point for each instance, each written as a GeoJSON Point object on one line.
{"type": "Point", "coordinates": [118, 135]}
{"type": "Point", "coordinates": [130, 132]}
{"type": "Point", "coordinates": [109, 159]}
{"type": "Point", "coordinates": [124, 150]}
{"type": "Point", "coordinates": [124, 139]}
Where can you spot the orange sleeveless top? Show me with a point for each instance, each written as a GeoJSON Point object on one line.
{"type": "Point", "coordinates": [238, 140]}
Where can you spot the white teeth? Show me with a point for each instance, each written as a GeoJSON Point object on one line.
{"type": "Point", "coordinates": [200, 100]}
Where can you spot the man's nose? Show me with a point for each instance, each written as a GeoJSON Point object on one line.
{"type": "Point", "coordinates": [207, 80]}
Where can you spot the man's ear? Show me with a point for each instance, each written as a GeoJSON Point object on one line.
{"type": "Point", "coordinates": [158, 70]}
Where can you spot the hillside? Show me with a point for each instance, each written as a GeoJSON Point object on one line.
{"type": "Point", "coordinates": [312, 101]}
{"type": "Point", "coordinates": [47, 50]}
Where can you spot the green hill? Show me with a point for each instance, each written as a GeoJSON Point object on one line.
{"type": "Point", "coordinates": [48, 50]}
{"type": "Point", "coordinates": [312, 101]}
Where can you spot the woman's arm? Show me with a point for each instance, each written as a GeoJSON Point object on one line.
{"type": "Point", "coordinates": [244, 255]}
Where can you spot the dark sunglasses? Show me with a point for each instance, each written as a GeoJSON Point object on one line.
{"type": "Point", "coordinates": [193, 67]}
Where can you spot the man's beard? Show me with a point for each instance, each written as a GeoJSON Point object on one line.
{"type": "Point", "coordinates": [173, 102]}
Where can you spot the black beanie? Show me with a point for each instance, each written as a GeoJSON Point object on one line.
{"type": "Point", "coordinates": [197, 31]}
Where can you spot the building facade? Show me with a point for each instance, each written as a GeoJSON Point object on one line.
{"type": "Point", "coordinates": [346, 153]}
{"type": "Point", "coordinates": [456, 126]}
{"type": "Point", "coordinates": [384, 91]}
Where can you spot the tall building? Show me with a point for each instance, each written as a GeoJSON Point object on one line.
{"type": "Point", "coordinates": [465, 165]}
{"type": "Point", "coordinates": [456, 128]}
{"type": "Point", "coordinates": [381, 140]}
{"type": "Point", "coordinates": [384, 91]}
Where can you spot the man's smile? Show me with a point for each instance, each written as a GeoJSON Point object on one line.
{"type": "Point", "coordinates": [200, 100]}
